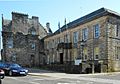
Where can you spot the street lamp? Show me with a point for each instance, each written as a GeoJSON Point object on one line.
{"type": "Point", "coordinates": [82, 43]}
{"type": "Point", "coordinates": [93, 63]}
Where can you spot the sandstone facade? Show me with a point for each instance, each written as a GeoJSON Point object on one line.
{"type": "Point", "coordinates": [99, 31]}
{"type": "Point", "coordinates": [22, 40]}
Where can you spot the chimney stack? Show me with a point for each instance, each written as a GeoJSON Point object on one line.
{"type": "Point", "coordinates": [48, 25]}
{"type": "Point", "coordinates": [48, 28]}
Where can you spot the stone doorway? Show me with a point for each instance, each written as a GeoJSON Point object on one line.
{"type": "Point", "coordinates": [32, 60]}
{"type": "Point", "coordinates": [61, 58]}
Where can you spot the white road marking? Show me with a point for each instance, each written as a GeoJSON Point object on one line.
{"type": "Point", "coordinates": [100, 80]}
{"type": "Point", "coordinates": [63, 83]}
{"type": "Point", "coordinates": [34, 82]}
{"type": "Point", "coordinates": [90, 83]}
{"type": "Point", "coordinates": [77, 81]}
{"type": "Point", "coordinates": [15, 78]}
{"type": "Point", "coordinates": [38, 79]}
{"type": "Point", "coordinates": [66, 83]}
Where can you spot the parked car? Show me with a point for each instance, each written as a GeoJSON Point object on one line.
{"type": "Point", "coordinates": [15, 69]}
{"type": "Point", "coordinates": [2, 75]}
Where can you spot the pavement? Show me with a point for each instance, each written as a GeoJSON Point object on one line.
{"type": "Point", "coordinates": [84, 77]}
{"type": "Point", "coordinates": [39, 72]}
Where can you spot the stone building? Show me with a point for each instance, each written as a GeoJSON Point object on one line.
{"type": "Point", "coordinates": [92, 41]}
{"type": "Point", "coordinates": [21, 38]}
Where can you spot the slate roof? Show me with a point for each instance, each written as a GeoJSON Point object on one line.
{"type": "Point", "coordinates": [96, 14]}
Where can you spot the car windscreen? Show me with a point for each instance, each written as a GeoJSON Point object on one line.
{"type": "Point", "coordinates": [15, 66]}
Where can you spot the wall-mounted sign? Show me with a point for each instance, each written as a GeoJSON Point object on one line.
{"type": "Point", "coordinates": [78, 61]}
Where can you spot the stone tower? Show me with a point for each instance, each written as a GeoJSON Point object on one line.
{"type": "Point", "coordinates": [22, 40]}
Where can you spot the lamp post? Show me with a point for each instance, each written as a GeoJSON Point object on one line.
{"type": "Point", "coordinates": [93, 63]}
{"type": "Point", "coordinates": [93, 54]}
{"type": "Point", "coordinates": [82, 43]}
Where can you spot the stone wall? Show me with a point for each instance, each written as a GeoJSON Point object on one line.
{"type": "Point", "coordinates": [22, 43]}
{"type": "Point", "coordinates": [113, 43]}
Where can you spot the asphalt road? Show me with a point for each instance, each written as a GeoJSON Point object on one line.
{"type": "Point", "coordinates": [48, 77]}
{"type": "Point", "coordinates": [46, 80]}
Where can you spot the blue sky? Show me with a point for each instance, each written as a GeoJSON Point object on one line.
{"type": "Point", "coordinates": [55, 11]}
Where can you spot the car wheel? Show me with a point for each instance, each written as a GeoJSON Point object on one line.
{"type": "Point", "coordinates": [0, 81]}
{"type": "Point", "coordinates": [10, 73]}
{"type": "Point", "coordinates": [2, 77]}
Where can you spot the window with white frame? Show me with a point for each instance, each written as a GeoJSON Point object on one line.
{"type": "Point", "coordinates": [85, 34]}
{"type": "Point", "coordinates": [96, 29]}
{"type": "Point", "coordinates": [75, 38]}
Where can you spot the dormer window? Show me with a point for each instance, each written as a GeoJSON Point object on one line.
{"type": "Point", "coordinates": [32, 31]}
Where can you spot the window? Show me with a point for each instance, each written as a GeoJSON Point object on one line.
{"type": "Point", "coordinates": [67, 38]}
{"type": "Point", "coordinates": [86, 57]}
{"type": "Point", "coordinates": [96, 57]}
{"type": "Point", "coordinates": [10, 42]}
{"type": "Point", "coordinates": [96, 53]}
{"type": "Point", "coordinates": [61, 39]}
{"type": "Point", "coordinates": [14, 58]}
{"type": "Point", "coordinates": [85, 34]}
{"type": "Point", "coordinates": [85, 54]}
{"type": "Point", "coordinates": [58, 40]}
{"type": "Point", "coordinates": [33, 46]}
{"type": "Point", "coordinates": [117, 30]}
{"type": "Point", "coordinates": [75, 39]}
{"type": "Point", "coordinates": [53, 43]}
{"type": "Point", "coordinates": [117, 52]}
{"type": "Point", "coordinates": [33, 32]}
{"type": "Point", "coordinates": [96, 29]}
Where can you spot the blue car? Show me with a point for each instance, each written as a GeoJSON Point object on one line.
{"type": "Point", "coordinates": [14, 69]}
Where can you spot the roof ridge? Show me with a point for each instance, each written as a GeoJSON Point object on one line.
{"type": "Point", "coordinates": [95, 14]}
{"type": "Point", "coordinates": [20, 13]}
